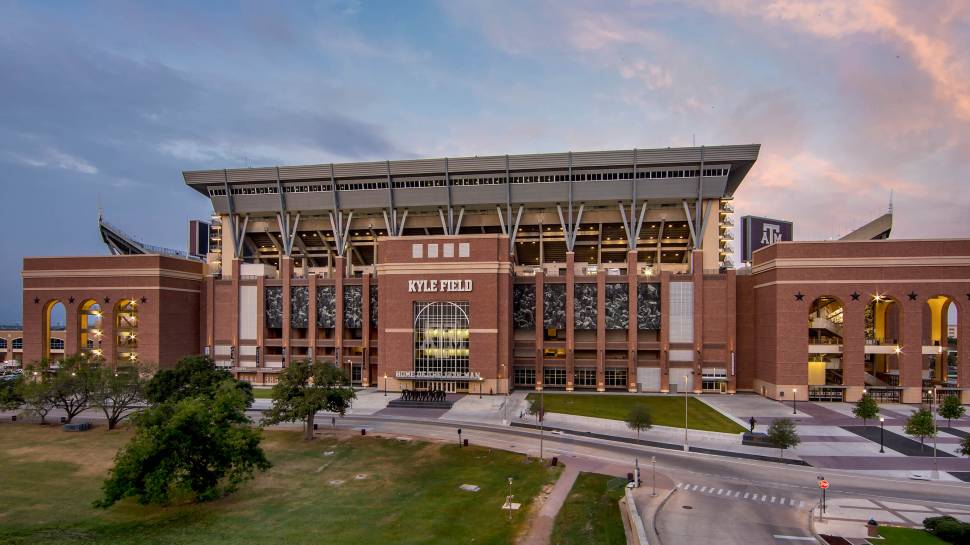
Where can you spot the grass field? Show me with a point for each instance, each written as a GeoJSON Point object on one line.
{"type": "Point", "coordinates": [665, 410]}
{"type": "Point", "coordinates": [263, 393]}
{"type": "Point", "coordinates": [591, 513]}
{"type": "Point", "coordinates": [908, 536]}
{"type": "Point", "coordinates": [409, 494]}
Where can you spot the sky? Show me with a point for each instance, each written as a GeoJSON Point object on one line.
{"type": "Point", "coordinates": [103, 104]}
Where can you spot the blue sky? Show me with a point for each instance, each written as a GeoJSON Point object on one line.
{"type": "Point", "coordinates": [107, 102]}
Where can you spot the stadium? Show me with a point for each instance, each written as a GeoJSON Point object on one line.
{"type": "Point", "coordinates": [600, 271]}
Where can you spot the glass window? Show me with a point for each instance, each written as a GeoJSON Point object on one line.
{"type": "Point", "coordinates": [441, 335]}
{"type": "Point", "coordinates": [448, 250]}
{"type": "Point", "coordinates": [3, 343]}
{"type": "Point", "coordinates": [585, 376]}
{"type": "Point", "coordinates": [464, 249]}
{"type": "Point", "coordinates": [416, 251]}
{"type": "Point", "coordinates": [615, 376]}
{"type": "Point", "coordinates": [554, 376]}
{"type": "Point", "coordinates": [524, 376]}
{"type": "Point", "coordinates": [57, 344]}
{"type": "Point", "coordinates": [18, 344]}
{"type": "Point", "coordinates": [432, 250]}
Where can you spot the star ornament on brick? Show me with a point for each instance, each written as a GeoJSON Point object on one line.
{"type": "Point", "coordinates": [70, 300]}
{"type": "Point", "coordinates": [911, 295]}
{"type": "Point", "coordinates": [107, 299]}
{"type": "Point", "coordinates": [144, 300]}
{"type": "Point", "coordinates": [855, 295]}
{"type": "Point", "coordinates": [799, 296]}
{"type": "Point", "coordinates": [37, 300]}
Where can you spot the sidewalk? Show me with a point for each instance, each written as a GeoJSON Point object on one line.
{"type": "Point", "coordinates": [847, 517]}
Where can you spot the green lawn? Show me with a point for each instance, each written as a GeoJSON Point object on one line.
{"type": "Point", "coordinates": [263, 393]}
{"type": "Point", "coordinates": [908, 536]}
{"type": "Point", "coordinates": [665, 410]}
{"type": "Point", "coordinates": [591, 513]}
{"type": "Point", "coordinates": [410, 494]}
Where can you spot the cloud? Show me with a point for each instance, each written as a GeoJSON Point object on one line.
{"type": "Point", "coordinates": [53, 158]}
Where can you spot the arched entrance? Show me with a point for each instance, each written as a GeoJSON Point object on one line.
{"type": "Point", "coordinates": [90, 329]}
{"type": "Point", "coordinates": [55, 316]}
{"type": "Point", "coordinates": [939, 347]}
{"type": "Point", "coordinates": [126, 331]}
{"type": "Point", "coordinates": [825, 361]}
{"type": "Point", "coordinates": [441, 345]}
{"type": "Point", "coordinates": [883, 327]}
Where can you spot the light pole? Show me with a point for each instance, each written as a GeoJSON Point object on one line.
{"type": "Point", "coordinates": [541, 419]}
{"type": "Point", "coordinates": [936, 469]}
{"type": "Point", "coordinates": [459, 437]}
{"type": "Point", "coordinates": [385, 384]}
{"type": "Point", "coordinates": [685, 414]}
{"type": "Point", "coordinates": [509, 500]}
{"type": "Point", "coordinates": [794, 400]}
{"type": "Point", "coordinates": [653, 462]}
{"type": "Point", "coordinates": [882, 421]}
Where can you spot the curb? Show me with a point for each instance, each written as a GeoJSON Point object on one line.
{"type": "Point", "coordinates": [636, 521]}
{"type": "Point", "coordinates": [656, 512]}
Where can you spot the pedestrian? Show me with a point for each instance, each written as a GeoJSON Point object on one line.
{"type": "Point", "coordinates": [752, 422]}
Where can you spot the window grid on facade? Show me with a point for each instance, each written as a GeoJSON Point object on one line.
{"type": "Point", "coordinates": [615, 376]}
{"type": "Point", "coordinates": [681, 312]}
{"type": "Point", "coordinates": [57, 344]}
{"type": "Point", "coordinates": [524, 376]}
{"type": "Point", "coordinates": [18, 344]}
{"type": "Point", "coordinates": [441, 337]}
{"type": "Point", "coordinates": [585, 376]}
{"type": "Point", "coordinates": [554, 376]}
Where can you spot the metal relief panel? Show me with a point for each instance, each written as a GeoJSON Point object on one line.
{"type": "Point", "coordinates": [247, 312]}
{"type": "Point", "coordinates": [648, 306]}
{"type": "Point", "coordinates": [373, 305]}
{"type": "Point", "coordinates": [554, 306]}
{"type": "Point", "coordinates": [524, 306]}
{"type": "Point", "coordinates": [617, 306]}
{"type": "Point", "coordinates": [681, 312]}
{"type": "Point", "coordinates": [584, 306]}
{"type": "Point", "coordinates": [273, 302]}
{"type": "Point", "coordinates": [353, 309]}
{"type": "Point", "coordinates": [326, 307]}
{"type": "Point", "coordinates": [299, 306]}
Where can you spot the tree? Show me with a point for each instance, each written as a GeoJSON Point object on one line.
{"type": "Point", "coordinates": [638, 419]}
{"type": "Point", "coordinates": [35, 391]}
{"type": "Point", "coordinates": [537, 408]}
{"type": "Point", "coordinates": [782, 434]}
{"type": "Point", "coordinates": [71, 385]}
{"type": "Point", "coordinates": [192, 376]}
{"type": "Point", "coordinates": [306, 388]}
{"type": "Point", "coordinates": [965, 446]}
{"type": "Point", "coordinates": [117, 392]}
{"type": "Point", "coordinates": [866, 408]}
{"type": "Point", "coordinates": [10, 398]}
{"type": "Point", "coordinates": [920, 424]}
{"type": "Point", "coordinates": [951, 408]}
{"type": "Point", "coordinates": [199, 446]}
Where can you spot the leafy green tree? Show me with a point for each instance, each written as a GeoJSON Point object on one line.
{"type": "Point", "coordinates": [201, 446]}
{"type": "Point", "coordinates": [783, 435]}
{"type": "Point", "coordinates": [306, 388]}
{"type": "Point", "coordinates": [965, 446]}
{"type": "Point", "coordinates": [36, 392]}
{"type": "Point", "coordinates": [117, 392]}
{"type": "Point", "coordinates": [639, 419]}
{"type": "Point", "coordinates": [71, 385]}
{"type": "Point", "coordinates": [537, 408]}
{"type": "Point", "coordinates": [951, 408]}
{"type": "Point", "coordinates": [920, 424]}
{"type": "Point", "coordinates": [192, 376]}
{"type": "Point", "coordinates": [10, 398]}
{"type": "Point", "coordinates": [866, 408]}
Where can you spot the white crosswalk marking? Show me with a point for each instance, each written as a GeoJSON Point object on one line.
{"type": "Point", "coordinates": [738, 493]}
{"type": "Point", "coordinates": [791, 502]}
{"type": "Point", "coordinates": [719, 490]}
{"type": "Point", "coordinates": [704, 489]}
{"type": "Point", "coordinates": [772, 499]}
{"type": "Point", "coordinates": [678, 485]}
{"type": "Point", "coordinates": [695, 487]}
{"type": "Point", "coordinates": [801, 504]}
{"type": "Point", "coordinates": [746, 494]}
{"type": "Point", "coordinates": [764, 497]}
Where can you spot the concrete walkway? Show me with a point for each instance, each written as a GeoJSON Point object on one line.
{"type": "Point", "coordinates": [540, 532]}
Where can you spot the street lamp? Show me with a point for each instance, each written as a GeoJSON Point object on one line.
{"type": "Point", "coordinates": [794, 400]}
{"type": "Point", "coordinates": [459, 437]}
{"type": "Point", "coordinates": [653, 462]}
{"type": "Point", "coordinates": [936, 468]}
{"type": "Point", "coordinates": [385, 384]}
{"type": "Point", "coordinates": [882, 421]}
{"type": "Point", "coordinates": [685, 414]}
{"type": "Point", "coordinates": [508, 502]}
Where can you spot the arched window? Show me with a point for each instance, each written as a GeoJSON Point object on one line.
{"type": "Point", "coordinates": [3, 343]}
{"type": "Point", "coordinates": [126, 330]}
{"type": "Point", "coordinates": [825, 318]}
{"type": "Point", "coordinates": [57, 344]}
{"type": "Point", "coordinates": [441, 338]}
{"type": "Point", "coordinates": [90, 328]}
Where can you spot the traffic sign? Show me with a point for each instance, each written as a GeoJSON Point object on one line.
{"type": "Point", "coordinates": [823, 484]}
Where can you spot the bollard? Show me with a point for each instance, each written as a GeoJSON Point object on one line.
{"type": "Point", "coordinates": [63, 419]}
{"type": "Point", "coordinates": [872, 528]}
{"type": "Point", "coordinates": [315, 428]}
{"type": "Point", "coordinates": [629, 477]}
{"type": "Point", "coordinates": [13, 418]}
{"type": "Point", "coordinates": [555, 461]}
{"type": "Point", "coordinates": [363, 431]}
{"type": "Point", "coordinates": [466, 442]}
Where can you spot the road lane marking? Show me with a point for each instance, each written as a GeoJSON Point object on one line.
{"type": "Point", "coordinates": [704, 489]}
{"type": "Point", "coordinates": [738, 493]}
{"type": "Point", "coordinates": [764, 497]}
{"type": "Point", "coordinates": [719, 491]}
{"type": "Point", "coordinates": [772, 499]}
{"type": "Point", "coordinates": [746, 494]}
{"type": "Point", "coordinates": [794, 538]}
{"type": "Point", "coordinates": [695, 487]}
{"type": "Point", "coordinates": [791, 502]}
